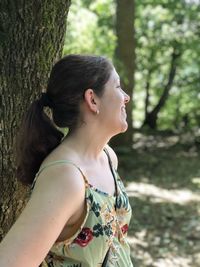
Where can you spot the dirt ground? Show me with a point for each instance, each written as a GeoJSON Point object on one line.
{"type": "Point", "coordinates": [162, 176]}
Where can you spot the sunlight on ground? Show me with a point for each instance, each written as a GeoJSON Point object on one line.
{"type": "Point", "coordinates": [175, 242]}
{"type": "Point", "coordinates": [196, 180]}
{"type": "Point", "coordinates": [168, 258]}
{"type": "Point", "coordinates": [176, 261]}
{"type": "Point", "coordinates": [161, 195]}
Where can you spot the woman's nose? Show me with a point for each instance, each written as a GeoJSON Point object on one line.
{"type": "Point", "coordinates": [126, 98]}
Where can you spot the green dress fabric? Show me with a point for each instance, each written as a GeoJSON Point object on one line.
{"type": "Point", "coordinates": [105, 226]}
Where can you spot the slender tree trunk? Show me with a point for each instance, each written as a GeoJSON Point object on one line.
{"type": "Point", "coordinates": [147, 90]}
{"type": "Point", "coordinates": [32, 37]}
{"type": "Point", "coordinates": [151, 117]}
{"type": "Point", "coordinates": [125, 58]}
{"type": "Point", "coordinates": [151, 69]}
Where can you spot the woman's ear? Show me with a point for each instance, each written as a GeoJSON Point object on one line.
{"type": "Point", "coordinates": [91, 100]}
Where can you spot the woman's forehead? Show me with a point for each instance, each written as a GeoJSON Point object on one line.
{"type": "Point", "coordinates": [113, 80]}
{"type": "Point", "coordinates": [115, 76]}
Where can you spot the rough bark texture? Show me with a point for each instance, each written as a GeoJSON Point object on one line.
{"type": "Point", "coordinates": [32, 36]}
{"type": "Point", "coordinates": [125, 55]}
{"type": "Point", "coordinates": [152, 117]}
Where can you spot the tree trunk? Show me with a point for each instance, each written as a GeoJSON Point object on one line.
{"type": "Point", "coordinates": [152, 117]}
{"type": "Point", "coordinates": [125, 58]}
{"type": "Point", "coordinates": [150, 71]}
{"type": "Point", "coordinates": [147, 91]}
{"type": "Point", "coordinates": [32, 37]}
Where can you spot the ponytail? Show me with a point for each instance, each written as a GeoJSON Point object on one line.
{"type": "Point", "coordinates": [38, 135]}
{"type": "Point", "coordinates": [36, 139]}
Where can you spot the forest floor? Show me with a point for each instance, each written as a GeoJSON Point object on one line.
{"type": "Point", "coordinates": [162, 176]}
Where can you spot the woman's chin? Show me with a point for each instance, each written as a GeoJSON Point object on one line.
{"type": "Point", "coordinates": [124, 127]}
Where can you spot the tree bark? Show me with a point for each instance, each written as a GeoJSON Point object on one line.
{"type": "Point", "coordinates": [152, 117]}
{"type": "Point", "coordinates": [125, 59]}
{"type": "Point", "coordinates": [32, 37]}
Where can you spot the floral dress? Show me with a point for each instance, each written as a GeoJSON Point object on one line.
{"type": "Point", "coordinates": [105, 226]}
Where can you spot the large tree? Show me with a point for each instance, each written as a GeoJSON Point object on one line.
{"type": "Point", "coordinates": [32, 37]}
{"type": "Point", "coordinates": [125, 57]}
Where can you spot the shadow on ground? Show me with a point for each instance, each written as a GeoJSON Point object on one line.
{"type": "Point", "coordinates": [163, 183]}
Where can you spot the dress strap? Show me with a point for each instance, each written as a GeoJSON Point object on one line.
{"type": "Point", "coordinates": [113, 172]}
{"type": "Point", "coordinates": [109, 158]}
{"type": "Point", "coordinates": [58, 162]}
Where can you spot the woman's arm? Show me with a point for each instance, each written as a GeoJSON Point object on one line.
{"type": "Point", "coordinates": [59, 192]}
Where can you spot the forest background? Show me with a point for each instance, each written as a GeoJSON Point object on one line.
{"type": "Point", "coordinates": [154, 45]}
{"type": "Point", "coordinates": [162, 170]}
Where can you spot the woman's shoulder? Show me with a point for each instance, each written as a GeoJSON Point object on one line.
{"type": "Point", "coordinates": [59, 170]}
{"type": "Point", "coordinates": [62, 175]}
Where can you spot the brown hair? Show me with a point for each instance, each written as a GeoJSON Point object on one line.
{"type": "Point", "coordinates": [69, 79]}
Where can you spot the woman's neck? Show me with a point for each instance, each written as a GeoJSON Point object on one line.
{"type": "Point", "coordinates": [87, 143]}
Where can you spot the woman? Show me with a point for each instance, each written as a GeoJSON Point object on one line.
{"type": "Point", "coordinates": [78, 212]}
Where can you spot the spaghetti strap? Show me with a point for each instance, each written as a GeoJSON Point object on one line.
{"type": "Point", "coordinates": [112, 170]}
{"type": "Point", "coordinates": [57, 162]}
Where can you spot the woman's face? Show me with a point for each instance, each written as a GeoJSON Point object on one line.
{"type": "Point", "coordinates": [112, 106]}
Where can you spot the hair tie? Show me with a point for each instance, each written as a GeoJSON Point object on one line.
{"type": "Point", "coordinates": [45, 100]}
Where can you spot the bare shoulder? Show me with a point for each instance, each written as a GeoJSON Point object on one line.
{"type": "Point", "coordinates": [63, 177]}
{"type": "Point", "coordinates": [58, 193]}
{"type": "Point", "coordinates": [113, 156]}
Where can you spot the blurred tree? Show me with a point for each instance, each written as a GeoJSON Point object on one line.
{"type": "Point", "coordinates": [151, 117]}
{"type": "Point", "coordinates": [124, 61]}
{"type": "Point", "coordinates": [106, 27]}
{"type": "Point", "coordinates": [167, 34]}
{"type": "Point", "coordinates": [161, 27]}
{"type": "Point", "coordinates": [32, 38]}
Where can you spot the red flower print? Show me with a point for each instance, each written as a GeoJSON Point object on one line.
{"type": "Point", "coordinates": [84, 237]}
{"type": "Point", "coordinates": [124, 229]}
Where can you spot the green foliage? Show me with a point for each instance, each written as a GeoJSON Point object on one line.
{"type": "Point", "coordinates": [90, 28]}
{"type": "Point", "coordinates": [161, 26]}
